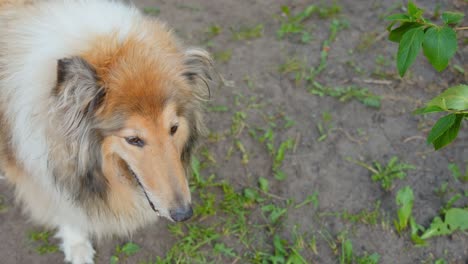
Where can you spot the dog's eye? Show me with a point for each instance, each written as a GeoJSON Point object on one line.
{"type": "Point", "coordinates": [174, 129]}
{"type": "Point", "coordinates": [135, 141]}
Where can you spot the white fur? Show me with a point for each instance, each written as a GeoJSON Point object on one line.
{"type": "Point", "coordinates": [31, 42]}
{"type": "Point", "coordinates": [76, 245]}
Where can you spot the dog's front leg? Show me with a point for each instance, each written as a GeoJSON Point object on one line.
{"type": "Point", "coordinates": [75, 245]}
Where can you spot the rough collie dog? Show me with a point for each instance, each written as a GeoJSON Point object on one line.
{"type": "Point", "coordinates": [100, 108]}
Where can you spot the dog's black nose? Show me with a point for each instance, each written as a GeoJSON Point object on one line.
{"type": "Point", "coordinates": [181, 214]}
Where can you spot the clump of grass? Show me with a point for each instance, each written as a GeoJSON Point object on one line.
{"type": "Point", "coordinates": [295, 66]}
{"type": "Point", "coordinates": [238, 123]}
{"type": "Point", "coordinates": [278, 154]}
{"type": "Point", "coordinates": [42, 241]}
{"type": "Point", "coordinates": [324, 126]}
{"type": "Point", "coordinates": [347, 93]}
{"type": "Point", "coordinates": [388, 173]}
{"type": "Point", "coordinates": [247, 33]}
{"type": "Point", "coordinates": [223, 229]}
{"type": "Point", "coordinates": [124, 251]}
{"type": "Point", "coordinates": [223, 56]}
{"type": "Point", "coordinates": [294, 24]}
{"type": "Point", "coordinates": [365, 216]}
{"type": "Point", "coordinates": [213, 31]}
{"type": "Point", "coordinates": [348, 256]}
{"type": "Point", "coordinates": [457, 174]}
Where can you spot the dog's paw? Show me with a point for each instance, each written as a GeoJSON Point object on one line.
{"type": "Point", "coordinates": [79, 253]}
{"type": "Point", "coordinates": [76, 247]}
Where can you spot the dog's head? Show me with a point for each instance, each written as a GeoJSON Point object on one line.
{"type": "Point", "coordinates": [132, 115]}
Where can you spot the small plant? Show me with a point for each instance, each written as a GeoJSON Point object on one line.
{"type": "Point", "coordinates": [325, 126]}
{"type": "Point", "coordinates": [279, 157]}
{"type": "Point", "coordinates": [348, 256]}
{"type": "Point", "coordinates": [345, 94]}
{"type": "Point", "coordinates": [456, 172]}
{"type": "Point", "coordinates": [386, 174]}
{"type": "Point", "coordinates": [279, 153]}
{"type": "Point", "coordinates": [238, 123]}
{"type": "Point", "coordinates": [274, 212]}
{"type": "Point", "coordinates": [294, 24]}
{"type": "Point", "coordinates": [42, 239]}
{"type": "Point", "coordinates": [126, 250]}
{"type": "Point", "coordinates": [213, 31]}
{"type": "Point", "coordinates": [247, 33]}
{"type": "Point", "coordinates": [455, 219]}
{"type": "Point", "coordinates": [364, 216]}
{"type": "Point", "coordinates": [313, 198]}
{"type": "Point", "coordinates": [404, 200]}
{"type": "Point", "coordinates": [223, 56]}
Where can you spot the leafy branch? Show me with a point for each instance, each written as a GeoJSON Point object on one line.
{"type": "Point", "coordinates": [438, 42]}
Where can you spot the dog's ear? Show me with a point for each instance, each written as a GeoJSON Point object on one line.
{"type": "Point", "coordinates": [77, 93]}
{"type": "Point", "coordinates": [198, 72]}
{"type": "Point", "coordinates": [74, 104]}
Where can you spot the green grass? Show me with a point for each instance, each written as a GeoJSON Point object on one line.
{"type": "Point", "coordinates": [124, 251]}
{"type": "Point", "coordinates": [294, 24]}
{"type": "Point", "coordinates": [223, 56]}
{"type": "Point", "coordinates": [349, 256]}
{"type": "Point", "coordinates": [41, 242]}
{"type": "Point", "coordinates": [344, 94]}
{"type": "Point", "coordinates": [365, 216]}
{"type": "Point", "coordinates": [237, 225]}
{"type": "Point", "coordinates": [248, 33]}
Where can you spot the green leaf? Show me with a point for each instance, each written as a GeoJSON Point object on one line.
{"type": "Point", "coordinates": [455, 219]}
{"type": "Point", "coordinates": [452, 17]}
{"type": "Point", "coordinates": [449, 134]}
{"type": "Point", "coordinates": [440, 261]}
{"type": "Point", "coordinates": [130, 249]}
{"type": "Point", "coordinates": [414, 11]}
{"type": "Point", "coordinates": [278, 244]}
{"type": "Point", "coordinates": [221, 248]}
{"type": "Point", "coordinates": [346, 252]}
{"type": "Point", "coordinates": [454, 98]}
{"type": "Point", "coordinates": [263, 183]}
{"type": "Point", "coordinates": [428, 109]}
{"type": "Point", "coordinates": [440, 127]}
{"type": "Point", "coordinates": [439, 46]}
{"type": "Point", "coordinates": [408, 49]}
{"type": "Point", "coordinates": [404, 200]}
{"type": "Point", "coordinates": [279, 175]}
{"type": "Point", "coordinates": [415, 228]}
{"type": "Point", "coordinates": [114, 260]}
{"type": "Point", "coordinates": [397, 33]}
{"type": "Point", "coordinates": [398, 17]}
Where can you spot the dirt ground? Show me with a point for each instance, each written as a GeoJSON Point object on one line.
{"type": "Point", "coordinates": [360, 55]}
